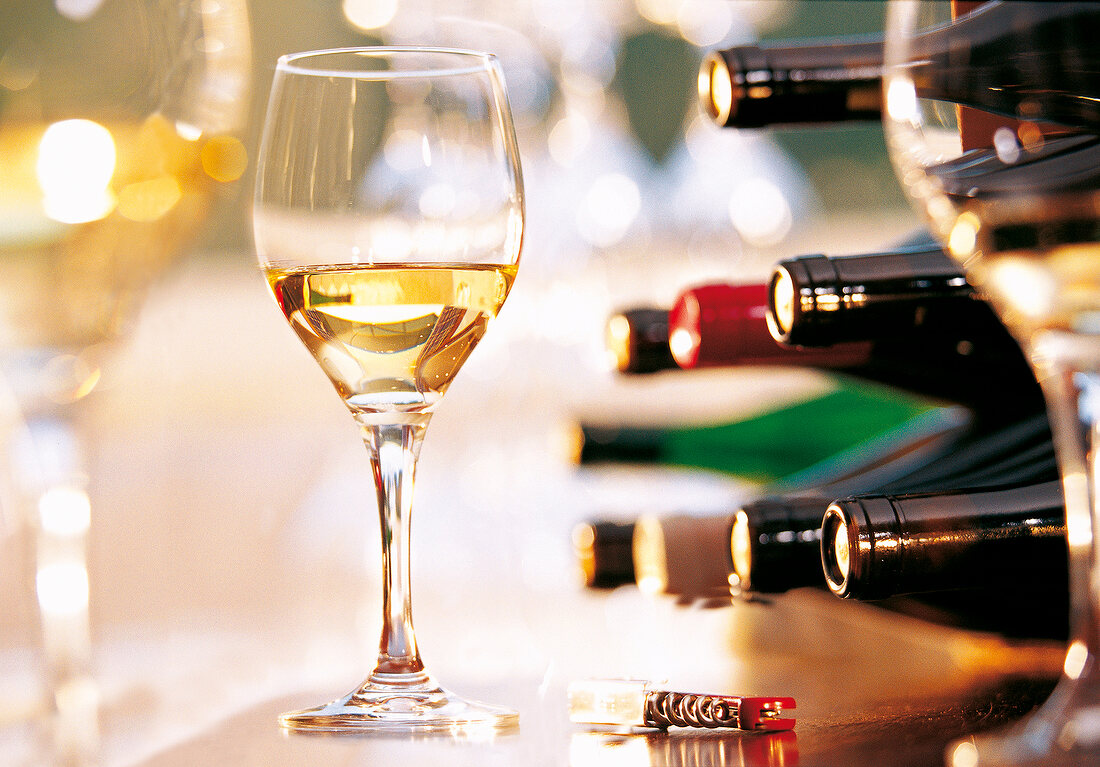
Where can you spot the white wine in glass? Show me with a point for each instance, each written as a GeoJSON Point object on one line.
{"type": "Point", "coordinates": [389, 220]}
{"type": "Point", "coordinates": [993, 117]}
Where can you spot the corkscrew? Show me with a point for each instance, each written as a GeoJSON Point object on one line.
{"type": "Point", "coordinates": [633, 703]}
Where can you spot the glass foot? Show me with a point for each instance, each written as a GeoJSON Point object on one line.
{"type": "Point", "coordinates": [382, 709]}
{"type": "Point", "coordinates": [1063, 732]}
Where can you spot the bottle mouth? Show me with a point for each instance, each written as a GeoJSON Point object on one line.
{"type": "Point", "coordinates": [781, 301]}
{"type": "Point", "coordinates": [741, 548]}
{"type": "Point", "coordinates": [616, 337]}
{"type": "Point", "coordinates": [650, 558]}
{"type": "Point", "coordinates": [836, 560]}
{"type": "Point", "coordinates": [716, 88]}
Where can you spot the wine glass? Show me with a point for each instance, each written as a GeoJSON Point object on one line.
{"type": "Point", "coordinates": [389, 217]}
{"type": "Point", "coordinates": [992, 120]}
{"type": "Point", "coordinates": [117, 135]}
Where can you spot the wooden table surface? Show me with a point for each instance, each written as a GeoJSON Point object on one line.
{"type": "Point", "coordinates": [873, 688]}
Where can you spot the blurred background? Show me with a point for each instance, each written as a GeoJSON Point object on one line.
{"type": "Point", "coordinates": [232, 550]}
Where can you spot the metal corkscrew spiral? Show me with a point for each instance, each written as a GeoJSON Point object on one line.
{"type": "Point", "coordinates": [668, 709]}
{"type": "Point", "coordinates": [633, 703]}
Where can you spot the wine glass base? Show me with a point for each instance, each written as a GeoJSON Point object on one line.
{"type": "Point", "coordinates": [1063, 732]}
{"type": "Point", "coordinates": [384, 709]}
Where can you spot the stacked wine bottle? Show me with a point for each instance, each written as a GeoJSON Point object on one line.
{"type": "Point", "coordinates": [948, 513]}
{"type": "Point", "coordinates": [954, 515]}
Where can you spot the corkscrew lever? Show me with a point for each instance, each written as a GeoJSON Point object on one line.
{"type": "Point", "coordinates": [634, 703]}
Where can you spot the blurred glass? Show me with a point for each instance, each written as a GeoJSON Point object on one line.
{"type": "Point", "coordinates": [118, 131]}
{"type": "Point", "coordinates": [998, 149]}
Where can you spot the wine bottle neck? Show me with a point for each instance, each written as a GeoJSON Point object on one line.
{"type": "Point", "coordinates": [879, 545]}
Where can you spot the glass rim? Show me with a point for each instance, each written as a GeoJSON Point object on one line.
{"type": "Point", "coordinates": [290, 62]}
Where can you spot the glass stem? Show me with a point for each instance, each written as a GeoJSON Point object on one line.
{"type": "Point", "coordinates": [1068, 368]}
{"type": "Point", "coordinates": [394, 449]}
{"type": "Point", "coordinates": [51, 483]}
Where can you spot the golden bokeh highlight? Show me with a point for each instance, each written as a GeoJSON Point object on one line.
{"type": "Point", "coordinates": [224, 158]}
{"type": "Point", "coordinates": [149, 200]}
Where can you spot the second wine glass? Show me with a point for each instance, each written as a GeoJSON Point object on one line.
{"type": "Point", "coordinates": [992, 118]}
{"type": "Point", "coordinates": [389, 219]}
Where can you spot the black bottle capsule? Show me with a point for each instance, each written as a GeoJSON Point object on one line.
{"type": "Point", "coordinates": [876, 546]}
{"type": "Point", "coordinates": [962, 62]}
{"type": "Point", "coordinates": [637, 340]}
{"type": "Point", "coordinates": [928, 331]}
{"type": "Point", "coordinates": [775, 543]}
{"type": "Point", "coordinates": [603, 550]}
{"type": "Point", "coordinates": [819, 300]}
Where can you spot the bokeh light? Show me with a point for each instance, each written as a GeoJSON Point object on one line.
{"type": "Point", "coordinates": [760, 211]}
{"type": "Point", "coordinates": [76, 159]}
{"type": "Point", "coordinates": [370, 14]}
{"type": "Point", "coordinates": [62, 589]}
{"type": "Point", "coordinates": [608, 209]}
